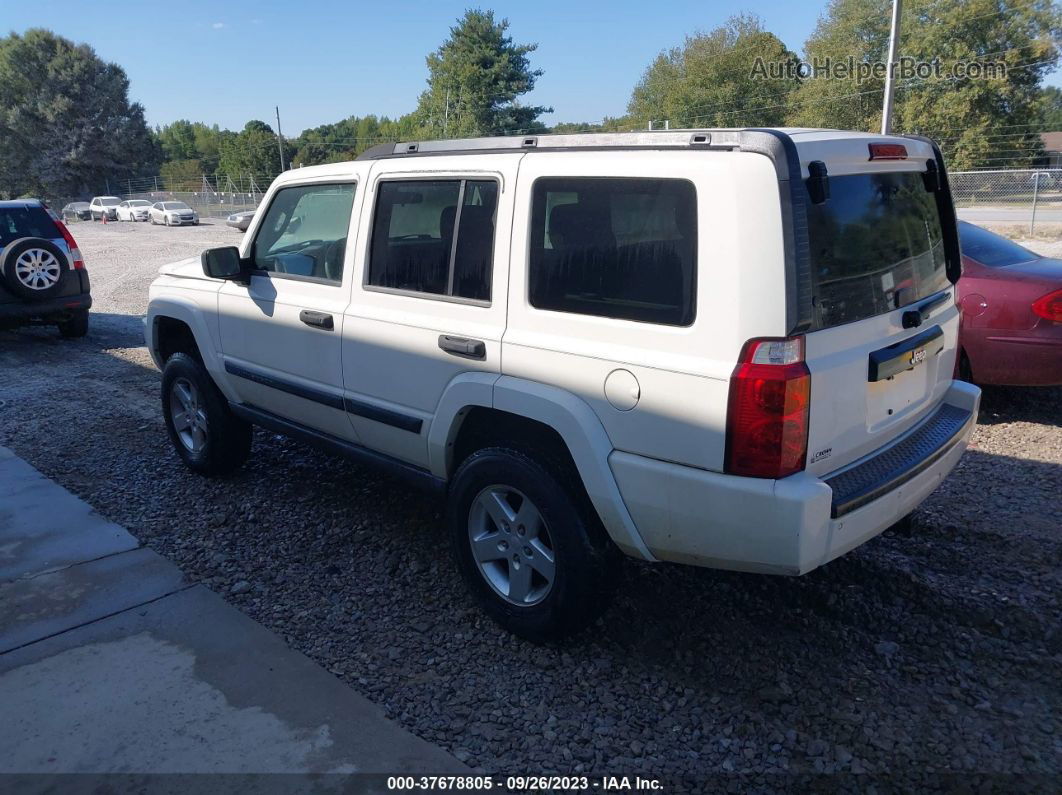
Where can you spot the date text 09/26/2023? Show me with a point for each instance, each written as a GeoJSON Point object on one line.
{"type": "Point", "coordinates": [524, 783]}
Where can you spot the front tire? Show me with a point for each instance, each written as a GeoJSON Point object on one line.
{"type": "Point", "coordinates": [207, 436]}
{"type": "Point", "coordinates": [76, 325]}
{"type": "Point", "coordinates": [528, 544]}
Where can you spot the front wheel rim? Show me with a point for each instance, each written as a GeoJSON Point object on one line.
{"type": "Point", "coordinates": [511, 545]}
{"type": "Point", "coordinates": [37, 269]}
{"type": "Point", "coordinates": [188, 415]}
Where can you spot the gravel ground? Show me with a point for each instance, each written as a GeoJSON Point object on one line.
{"type": "Point", "coordinates": [917, 657]}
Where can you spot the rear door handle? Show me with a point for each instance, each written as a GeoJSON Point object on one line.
{"type": "Point", "coordinates": [317, 319]}
{"type": "Point", "coordinates": [463, 346]}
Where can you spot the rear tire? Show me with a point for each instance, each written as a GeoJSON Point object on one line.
{"type": "Point", "coordinates": [76, 325]}
{"type": "Point", "coordinates": [32, 268]}
{"type": "Point", "coordinates": [965, 370]}
{"type": "Point", "coordinates": [558, 596]}
{"type": "Point", "coordinates": [207, 436]}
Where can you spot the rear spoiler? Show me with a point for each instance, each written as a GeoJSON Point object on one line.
{"type": "Point", "coordinates": [946, 209]}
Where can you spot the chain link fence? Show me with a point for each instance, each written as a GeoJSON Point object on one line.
{"type": "Point", "coordinates": [1026, 197]}
{"type": "Point", "coordinates": [212, 196]}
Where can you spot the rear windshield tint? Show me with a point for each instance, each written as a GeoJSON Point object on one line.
{"type": "Point", "coordinates": [16, 222]}
{"type": "Point", "coordinates": [990, 249]}
{"type": "Point", "coordinates": [876, 245]}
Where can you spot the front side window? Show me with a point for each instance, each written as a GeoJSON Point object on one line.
{"type": "Point", "coordinates": [304, 232]}
{"type": "Point", "coordinates": [435, 237]}
{"type": "Point", "coordinates": [876, 245]}
{"type": "Point", "coordinates": [621, 248]}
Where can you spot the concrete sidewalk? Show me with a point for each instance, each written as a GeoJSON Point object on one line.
{"type": "Point", "coordinates": [111, 661]}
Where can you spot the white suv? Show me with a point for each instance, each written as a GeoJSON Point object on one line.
{"type": "Point", "coordinates": [729, 348]}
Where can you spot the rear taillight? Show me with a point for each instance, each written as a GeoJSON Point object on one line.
{"type": "Point", "coordinates": [75, 253]}
{"type": "Point", "coordinates": [1050, 306]}
{"type": "Point", "coordinates": [767, 416]}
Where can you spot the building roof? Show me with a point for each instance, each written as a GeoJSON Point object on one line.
{"type": "Point", "coordinates": [1052, 141]}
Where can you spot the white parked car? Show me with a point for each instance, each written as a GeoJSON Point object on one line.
{"type": "Point", "coordinates": [104, 207]}
{"type": "Point", "coordinates": [726, 348]}
{"type": "Point", "coordinates": [134, 210]}
{"type": "Point", "coordinates": [173, 214]}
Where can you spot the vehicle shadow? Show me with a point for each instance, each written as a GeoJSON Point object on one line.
{"type": "Point", "coordinates": [1001, 404]}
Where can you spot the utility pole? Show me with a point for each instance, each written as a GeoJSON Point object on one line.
{"type": "Point", "coordinates": [894, 44]}
{"type": "Point", "coordinates": [280, 140]}
{"type": "Point", "coordinates": [446, 111]}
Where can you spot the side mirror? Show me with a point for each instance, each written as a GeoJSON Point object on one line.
{"type": "Point", "coordinates": [223, 263]}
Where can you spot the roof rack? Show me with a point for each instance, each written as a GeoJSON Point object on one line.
{"type": "Point", "coordinates": [662, 139]}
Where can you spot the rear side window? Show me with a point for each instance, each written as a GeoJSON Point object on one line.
{"type": "Point", "coordinates": [615, 247]}
{"type": "Point", "coordinates": [435, 237]}
{"type": "Point", "coordinates": [16, 222]}
{"type": "Point", "coordinates": [304, 232]}
{"type": "Point", "coordinates": [876, 245]}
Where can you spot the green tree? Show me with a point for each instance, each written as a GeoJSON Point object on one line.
{"type": "Point", "coordinates": [980, 121]}
{"type": "Point", "coordinates": [1050, 109]}
{"type": "Point", "coordinates": [608, 124]}
{"type": "Point", "coordinates": [474, 80]}
{"type": "Point", "coordinates": [182, 174]}
{"type": "Point", "coordinates": [345, 140]}
{"type": "Point", "coordinates": [188, 140]}
{"type": "Point", "coordinates": [67, 126]}
{"type": "Point", "coordinates": [711, 80]}
{"type": "Point", "coordinates": [252, 153]}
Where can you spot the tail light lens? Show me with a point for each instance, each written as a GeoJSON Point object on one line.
{"type": "Point", "coordinates": [767, 415]}
{"type": "Point", "coordinates": [1050, 306]}
{"type": "Point", "coordinates": [75, 253]}
{"type": "Point", "coordinates": [887, 151]}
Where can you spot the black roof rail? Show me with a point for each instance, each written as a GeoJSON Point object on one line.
{"type": "Point", "coordinates": [644, 139]}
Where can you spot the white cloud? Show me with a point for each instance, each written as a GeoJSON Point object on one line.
{"type": "Point", "coordinates": [218, 25]}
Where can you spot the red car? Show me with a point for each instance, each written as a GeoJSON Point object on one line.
{"type": "Point", "coordinates": [1011, 303]}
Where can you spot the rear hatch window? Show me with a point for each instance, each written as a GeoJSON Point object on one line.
{"type": "Point", "coordinates": [17, 222]}
{"type": "Point", "coordinates": [876, 245]}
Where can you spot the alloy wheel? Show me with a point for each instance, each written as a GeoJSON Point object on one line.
{"type": "Point", "coordinates": [188, 415]}
{"type": "Point", "coordinates": [511, 545]}
{"type": "Point", "coordinates": [37, 269]}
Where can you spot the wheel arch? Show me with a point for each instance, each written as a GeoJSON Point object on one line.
{"type": "Point", "coordinates": [512, 408]}
{"type": "Point", "coordinates": [174, 322]}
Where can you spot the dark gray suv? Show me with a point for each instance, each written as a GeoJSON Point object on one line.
{"type": "Point", "coordinates": [43, 280]}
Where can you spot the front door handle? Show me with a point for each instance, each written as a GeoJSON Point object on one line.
{"type": "Point", "coordinates": [463, 346]}
{"type": "Point", "coordinates": [317, 319]}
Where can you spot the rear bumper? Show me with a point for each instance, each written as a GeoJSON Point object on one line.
{"type": "Point", "coordinates": [53, 309]}
{"type": "Point", "coordinates": [794, 525]}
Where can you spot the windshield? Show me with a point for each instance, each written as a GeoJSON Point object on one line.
{"type": "Point", "coordinates": [876, 245]}
{"type": "Point", "coordinates": [990, 249]}
{"type": "Point", "coordinates": [138, 203]}
{"type": "Point", "coordinates": [175, 206]}
{"type": "Point", "coordinates": [110, 202]}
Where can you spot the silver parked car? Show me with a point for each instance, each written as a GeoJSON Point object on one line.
{"type": "Point", "coordinates": [173, 214]}
{"type": "Point", "coordinates": [240, 220]}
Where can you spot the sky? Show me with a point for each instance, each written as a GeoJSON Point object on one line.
{"type": "Point", "coordinates": [230, 61]}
